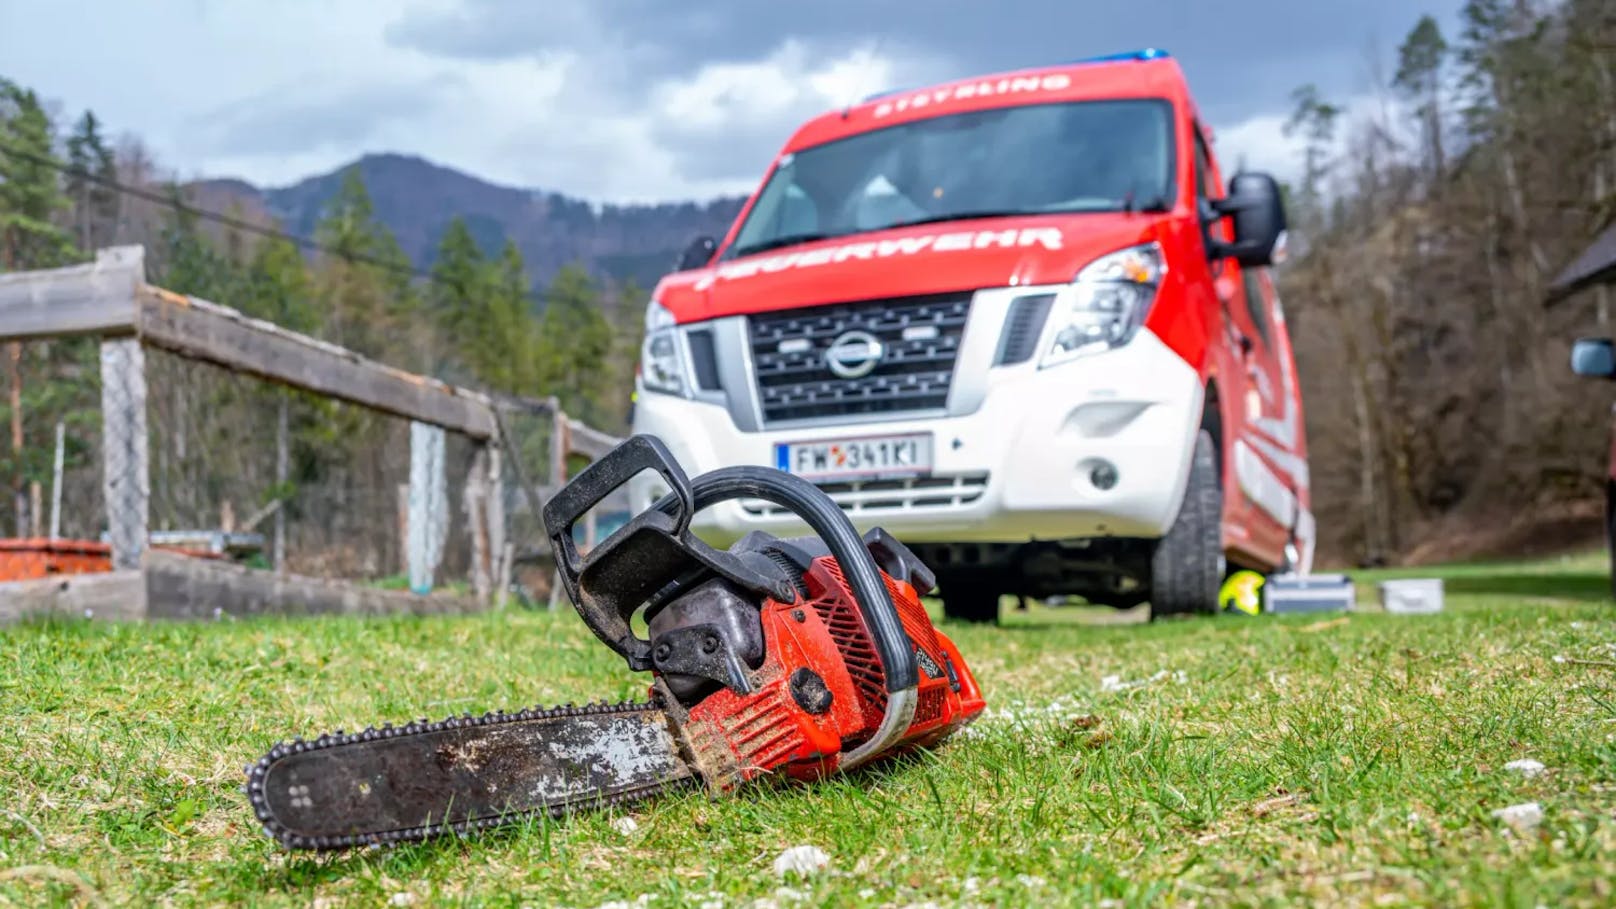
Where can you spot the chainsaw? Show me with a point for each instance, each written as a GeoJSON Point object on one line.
{"type": "Point", "coordinates": [795, 658]}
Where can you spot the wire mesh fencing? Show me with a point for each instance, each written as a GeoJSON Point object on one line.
{"type": "Point", "coordinates": [181, 424]}
{"type": "Point", "coordinates": [284, 479]}
{"type": "Point", "coordinates": [50, 462]}
{"type": "Point", "coordinates": [527, 476]}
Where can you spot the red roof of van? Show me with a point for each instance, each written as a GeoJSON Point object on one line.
{"type": "Point", "coordinates": [1159, 77]}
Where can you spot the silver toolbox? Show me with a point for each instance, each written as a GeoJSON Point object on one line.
{"type": "Point", "coordinates": [1308, 593]}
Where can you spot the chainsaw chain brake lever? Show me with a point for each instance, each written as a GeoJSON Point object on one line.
{"type": "Point", "coordinates": [655, 554]}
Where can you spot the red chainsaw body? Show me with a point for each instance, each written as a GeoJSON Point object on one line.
{"type": "Point", "coordinates": [770, 730]}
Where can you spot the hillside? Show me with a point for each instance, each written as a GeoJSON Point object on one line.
{"type": "Point", "coordinates": [416, 199]}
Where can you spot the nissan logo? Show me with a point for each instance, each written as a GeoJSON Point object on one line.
{"type": "Point", "coordinates": [854, 354]}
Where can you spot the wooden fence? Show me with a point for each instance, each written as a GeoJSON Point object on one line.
{"type": "Point", "coordinates": [109, 299]}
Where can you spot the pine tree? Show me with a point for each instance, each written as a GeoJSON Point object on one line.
{"type": "Point", "coordinates": [279, 288]}
{"type": "Point", "coordinates": [1420, 79]}
{"type": "Point", "coordinates": [628, 333]}
{"type": "Point", "coordinates": [186, 261]}
{"type": "Point", "coordinates": [30, 197]}
{"type": "Point", "coordinates": [511, 357]}
{"type": "Point", "coordinates": [1314, 119]}
{"type": "Point", "coordinates": [459, 292]}
{"type": "Point", "coordinates": [91, 169]}
{"type": "Point", "coordinates": [364, 281]}
{"type": "Point", "coordinates": [575, 341]}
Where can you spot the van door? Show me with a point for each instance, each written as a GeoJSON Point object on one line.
{"type": "Point", "coordinates": [1269, 465]}
{"type": "Point", "coordinates": [1250, 536]}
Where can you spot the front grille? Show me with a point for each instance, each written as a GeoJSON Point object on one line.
{"type": "Point", "coordinates": [920, 337]}
{"type": "Point", "coordinates": [858, 497]}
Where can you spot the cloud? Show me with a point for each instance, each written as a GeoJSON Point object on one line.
{"type": "Point", "coordinates": [1260, 143]}
{"type": "Point", "coordinates": [308, 116]}
{"type": "Point", "coordinates": [1245, 58]}
{"type": "Point", "coordinates": [623, 100]}
{"type": "Point", "coordinates": [711, 132]}
{"type": "Point", "coordinates": [729, 113]}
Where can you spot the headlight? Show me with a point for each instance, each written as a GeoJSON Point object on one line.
{"type": "Point", "coordinates": [1104, 307]}
{"type": "Point", "coordinates": [662, 366]}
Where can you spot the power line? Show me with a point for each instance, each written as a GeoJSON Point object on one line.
{"type": "Point", "coordinates": [173, 201]}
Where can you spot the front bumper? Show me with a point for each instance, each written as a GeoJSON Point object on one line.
{"type": "Point", "coordinates": [1018, 468]}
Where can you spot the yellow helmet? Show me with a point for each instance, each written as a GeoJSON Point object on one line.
{"type": "Point", "coordinates": [1242, 591]}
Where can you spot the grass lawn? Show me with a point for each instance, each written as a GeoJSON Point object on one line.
{"type": "Point", "coordinates": [1284, 761]}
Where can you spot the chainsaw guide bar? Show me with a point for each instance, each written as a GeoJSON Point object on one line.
{"type": "Point", "coordinates": [461, 774]}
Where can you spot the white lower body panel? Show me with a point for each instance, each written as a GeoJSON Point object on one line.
{"type": "Point", "coordinates": [1020, 468]}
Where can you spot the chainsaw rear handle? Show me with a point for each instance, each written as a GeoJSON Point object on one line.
{"type": "Point", "coordinates": [830, 523]}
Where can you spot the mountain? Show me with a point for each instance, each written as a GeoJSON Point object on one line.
{"type": "Point", "coordinates": [416, 199]}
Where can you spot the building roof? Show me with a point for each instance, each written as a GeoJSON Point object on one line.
{"type": "Point", "coordinates": [1596, 265]}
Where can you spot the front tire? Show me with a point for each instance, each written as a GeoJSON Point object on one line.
{"type": "Point", "coordinates": [1187, 566]}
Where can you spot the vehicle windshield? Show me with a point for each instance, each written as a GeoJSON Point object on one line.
{"type": "Point", "coordinates": [1089, 156]}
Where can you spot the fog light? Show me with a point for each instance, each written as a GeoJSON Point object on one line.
{"type": "Point", "coordinates": [1103, 475]}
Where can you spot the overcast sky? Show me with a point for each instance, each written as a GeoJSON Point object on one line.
{"type": "Point", "coordinates": [630, 100]}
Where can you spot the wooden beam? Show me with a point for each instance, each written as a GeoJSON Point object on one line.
{"type": "Point", "coordinates": [475, 498]}
{"type": "Point", "coordinates": [586, 440]}
{"type": "Point", "coordinates": [107, 595]}
{"type": "Point", "coordinates": [201, 330]}
{"type": "Point", "coordinates": [180, 587]}
{"type": "Point", "coordinates": [494, 518]}
{"type": "Point", "coordinates": [93, 299]}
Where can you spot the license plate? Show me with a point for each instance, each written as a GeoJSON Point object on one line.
{"type": "Point", "coordinates": [872, 456]}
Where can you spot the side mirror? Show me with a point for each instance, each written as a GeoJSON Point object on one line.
{"type": "Point", "coordinates": [698, 253]}
{"type": "Point", "coordinates": [1594, 358]}
{"type": "Point", "coordinates": [1258, 211]}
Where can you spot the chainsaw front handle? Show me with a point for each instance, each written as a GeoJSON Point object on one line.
{"type": "Point", "coordinates": [830, 524]}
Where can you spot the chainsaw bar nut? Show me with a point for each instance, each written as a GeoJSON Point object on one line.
{"type": "Point", "coordinates": [810, 691]}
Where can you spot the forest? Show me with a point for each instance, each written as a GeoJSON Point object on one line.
{"type": "Point", "coordinates": [1426, 227]}
{"type": "Point", "coordinates": [475, 318]}
{"type": "Point", "coordinates": [1442, 417]}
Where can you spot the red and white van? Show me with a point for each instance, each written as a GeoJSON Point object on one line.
{"type": "Point", "coordinates": [1016, 321]}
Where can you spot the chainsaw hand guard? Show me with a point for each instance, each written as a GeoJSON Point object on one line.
{"type": "Point", "coordinates": [647, 562]}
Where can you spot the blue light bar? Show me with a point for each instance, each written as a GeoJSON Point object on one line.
{"type": "Point", "coordinates": [1149, 53]}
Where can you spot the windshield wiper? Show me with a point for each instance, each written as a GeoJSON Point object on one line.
{"type": "Point", "coordinates": [777, 242]}
{"type": "Point", "coordinates": [959, 216]}
{"type": "Point", "coordinates": [1154, 205]}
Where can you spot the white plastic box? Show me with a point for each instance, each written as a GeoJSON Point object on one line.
{"type": "Point", "coordinates": [1411, 595]}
